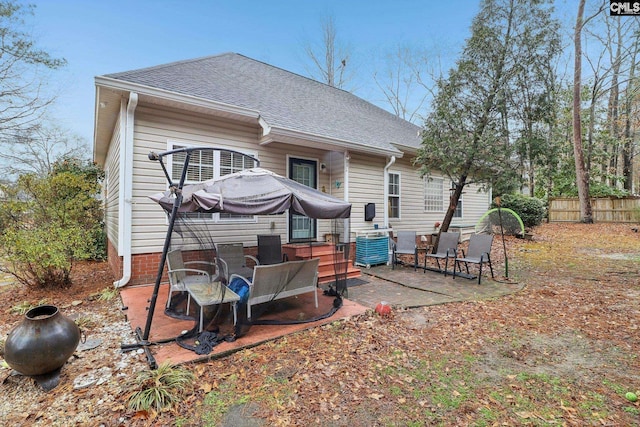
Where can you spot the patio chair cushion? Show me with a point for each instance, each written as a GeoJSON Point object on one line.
{"type": "Point", "coordinates": [240, 286]}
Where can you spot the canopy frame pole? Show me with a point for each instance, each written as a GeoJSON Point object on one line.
{"type": "Point", "coordinates": [143, 337]}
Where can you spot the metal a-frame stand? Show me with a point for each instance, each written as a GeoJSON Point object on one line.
{"type": "Point", "coordinates": [142, 338]}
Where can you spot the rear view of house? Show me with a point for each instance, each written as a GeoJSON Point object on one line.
{"type": "Point", "coordinates": [318, 135]}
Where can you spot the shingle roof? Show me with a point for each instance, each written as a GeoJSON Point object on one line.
{"type": "Point", "coordinates": [284, 100]}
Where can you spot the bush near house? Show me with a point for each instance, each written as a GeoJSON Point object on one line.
{"type": "Point", "coordinates": [49, 222]}
{"type": "Point", "coordinates": [530, 209]}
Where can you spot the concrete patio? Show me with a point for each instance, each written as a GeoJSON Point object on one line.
{"type": "Point", "coordinates": [404, 287]}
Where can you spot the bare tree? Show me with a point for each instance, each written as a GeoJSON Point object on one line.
{"type": "Point", "coordinates": [22, 70]}
{"type": "Point", "coordinates": [617, 38]}
{"type": "Point", "coordinates": [628, 147]}
{"type": "Point", "coordinates": [403, 83]}
{"type": "Point", "coordinates": [330, 59]}
{"type": "Point", "coordinates": [36, 149]}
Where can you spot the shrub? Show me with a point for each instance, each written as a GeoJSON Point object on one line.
{"type": "Point", "coordinates": [597, 189]}
{"type": "Point", "coordinates": [530, 209]}
{"type": "Point", "coordinates": [50, 222]}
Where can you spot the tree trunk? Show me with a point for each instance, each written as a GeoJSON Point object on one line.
{"type": "Point", "coordinates": [582, 175]}
{"type": "Point", "coordinates": [627, 150]}
{"type": "Point", "coordinates": [614, 99]}
{"type": "Point", "coordinates": [453, 204]}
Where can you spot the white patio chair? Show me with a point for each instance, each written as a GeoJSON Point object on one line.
{"type": "Point", "coordinates": [181, 274]}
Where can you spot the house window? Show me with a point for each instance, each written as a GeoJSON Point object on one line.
{"type": "Point", "coordinates": [205, 165]}
{"type": "Point", "coordinates": [394, 195]}
{"type": "Point", "coordinates": [230, 163]}
{"type": "Point", "coordinates": [433, 194]}
{"type": "Point", "coordinates": [458, 211]}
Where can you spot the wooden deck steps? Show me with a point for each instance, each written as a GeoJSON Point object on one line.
{"type": "Point", "coordinates": [329, 262]}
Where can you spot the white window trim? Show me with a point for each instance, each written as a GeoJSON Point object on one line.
{"type": "Point", "coordinates": [460, 203]}
{"type": "Point", "coordinates": [424, 195]}
{"type": "Point", "coordinates": [215, 217]}
{"type": "Point", "coordinates": [461, 208]}
{"type": "Point", "coordinates": [399, 195]}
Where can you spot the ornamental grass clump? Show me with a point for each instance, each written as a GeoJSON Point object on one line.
{"type": "Point", "coordinates": [161, 388]}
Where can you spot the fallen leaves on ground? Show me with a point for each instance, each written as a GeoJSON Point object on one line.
{"type": "Point", "coordinates": [562, 351]}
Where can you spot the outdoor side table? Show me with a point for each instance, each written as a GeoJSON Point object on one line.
{"type": "Point", "coordinates": [212, 294]}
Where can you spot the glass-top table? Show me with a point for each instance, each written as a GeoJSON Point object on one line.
{"type": "Point", "coordinates": [213, 293]}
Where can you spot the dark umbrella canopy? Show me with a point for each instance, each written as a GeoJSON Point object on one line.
{"type": "Point", "coordinates": [256, 191]}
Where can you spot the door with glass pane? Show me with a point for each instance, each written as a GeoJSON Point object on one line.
{"type": "Point", "coordinates": [302, 227]}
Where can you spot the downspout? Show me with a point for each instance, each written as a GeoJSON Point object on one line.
{"type": "Point", "coordinates": [345, 179]}
{"type": "Point", "coordinates": [392, 160]}
{"type": "Point", "coordinates": [126, 193]}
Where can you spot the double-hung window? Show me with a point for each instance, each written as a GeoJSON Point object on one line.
{"type": "Point", "coordinates": [208, 164]}
{"type": "Point", "coordinates": [394, 195]}
{"type": "Point", "coordinates": [433, 194]}
{"type": "Point", "coordinates": [458, 211]}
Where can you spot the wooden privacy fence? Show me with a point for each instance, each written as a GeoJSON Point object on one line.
{"type": "Point", "coordinates": [605, 209]}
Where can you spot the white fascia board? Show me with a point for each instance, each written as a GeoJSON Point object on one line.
{"type": "Point", "coordinates": [95, 123]}
{"type": "Point", "coordinates": [116, 84]}
{"type": "Point", "coordinates": [407, 149]}
{"type": "Point", "coordinates": [277, 134]}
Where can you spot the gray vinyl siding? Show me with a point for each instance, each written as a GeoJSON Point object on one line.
{"type": "Point", "coordinates": [412, 215]}
{"type": "Point", "coordinates": [366, 185]}
{"type": "Point", "coordinates": [156, 128]}
{"type": "Point", "coordinates": [112, 186]}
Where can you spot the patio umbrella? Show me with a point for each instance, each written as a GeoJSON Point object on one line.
{"type": "Point", "coordinates": [250, 192]}
{"type": "Point", "coordinates": [255, 191]}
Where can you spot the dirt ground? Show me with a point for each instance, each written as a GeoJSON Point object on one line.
{"type": "Point", "coordinates": [563, 351]}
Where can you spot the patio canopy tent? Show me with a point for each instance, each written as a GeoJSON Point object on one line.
{"type": "Point", "coordinates": [254, 191]}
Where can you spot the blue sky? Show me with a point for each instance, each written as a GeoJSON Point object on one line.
{"type": "Point", "coordinates": [101, 37]}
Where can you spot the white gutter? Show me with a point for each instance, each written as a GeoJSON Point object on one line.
{"type": "Point", "coordinates": [392, 160]}
{"type": "Point", "coordinates": [126, 191]}
{"type": "Point", "coordinates": [277, 134]}
{"type": "Point", "coordinates": [266, 129]}
{"type": "Point", "coordinates": [143, 90]}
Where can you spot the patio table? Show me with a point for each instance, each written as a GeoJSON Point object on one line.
{"type": "Point", "coordinates": [213, 293]}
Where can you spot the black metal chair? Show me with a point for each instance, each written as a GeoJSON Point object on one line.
{"type": "Point", "coordinates": [270, 249]}
{"type": "Point", "coordinates": [479, 252]}
{"type": "Point", "coordinates": [447, 248]}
